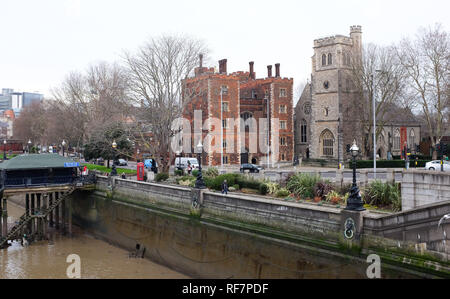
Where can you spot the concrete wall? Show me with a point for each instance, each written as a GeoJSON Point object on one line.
{"type": "Point", "coordinates": [423, 187]}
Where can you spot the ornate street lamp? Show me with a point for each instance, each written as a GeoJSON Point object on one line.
{"type": "Point", "coordinates": [63, 145]}
{"type": "Point", "coordinates": [29, 145]}
{"type": "Point", "coordinates": [4, 149]}
{"type": "Point", "coordinates": [178, 153]}
{"type": "Point", "coordinates": [113, 170]}
{"type": "Point", "coordinates": [199, 183]}
{"type": "Point", "coordinates": [354, 202]}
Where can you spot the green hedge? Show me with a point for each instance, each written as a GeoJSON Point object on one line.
{"type": "Point", "coordinates": [235, 180]}
{"type": "Point", "coordinates": [216, 182]}
{"type": "Point", "coordinates": [162, 176]}
{"type": "Point", "coordinates": [388, 163]}
{"type": "Point", "coordinates": [421, 157]}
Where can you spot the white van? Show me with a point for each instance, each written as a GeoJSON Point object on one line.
{"type": "Point", "coordinates": [183, 162]}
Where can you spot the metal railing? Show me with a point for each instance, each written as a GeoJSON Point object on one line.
{"type": "Point", "coordinates": [38, 181]}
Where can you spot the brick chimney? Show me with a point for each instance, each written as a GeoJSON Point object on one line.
{"type": "Point", "coordinates": [201, 59]}
{"type": "Point", "coordinates": [269, 71]}
{"type": "Point", "coordinates": [252, 73]}
{"type": "Point", "coordinates": [277, 70]}
{"type": "Point", "coordinates": [223, 66]}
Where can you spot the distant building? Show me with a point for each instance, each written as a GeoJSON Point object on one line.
{"type": "Point", "coordinates": [326, 117]}
{"type": "Point", "coordinates": [6, 124]}
{"type": "Point", "coordinates": [244, 99]}
{"type": "Point", "coordinates": [10, 100]}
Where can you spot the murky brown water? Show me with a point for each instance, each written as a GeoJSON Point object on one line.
{"type": "Point", "coordinates": [47, 259]}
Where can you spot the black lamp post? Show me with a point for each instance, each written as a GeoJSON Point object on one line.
{"type": "Point", "coordinates": [354, 202]}
{"type": "Point", "coordinates": [199, 183]}
{"type": "Point", "coordinates": [63, 145]}
{"type": "Point", "coordinates": [29, 145]}
{"type": "Point", "coordinates": [4, 149]}
{"type": "Point", "coordinates": [179, 159]}
{"type": "Point", "coordinates": [113, 170]}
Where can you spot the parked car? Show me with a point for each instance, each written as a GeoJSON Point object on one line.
{"type": "Point", "coordinates": [182, 163]}
{"type": "Point", "coordinates": [121, 162]}
{"type": "Point", "coordinates": [436, 165]}
{"type": "Point", "coordinates": [251, 167]}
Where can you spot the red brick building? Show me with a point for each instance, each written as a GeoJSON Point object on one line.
{"type": "Point", "coordinates": [246, 104]}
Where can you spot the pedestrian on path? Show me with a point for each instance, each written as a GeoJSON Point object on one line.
{"type": "Point", "coordinates": [225, 187]}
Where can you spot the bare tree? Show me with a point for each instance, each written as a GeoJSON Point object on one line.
{"type": "Point", "coordinates": [91, 101]}
{"type": "Point", "coordinates": [426, 60]}
{"type": "Point", "coordinates": [379, 75]}
{"type": "Point", "coordinates": [32, 123]}
{"type": "Point", "coordinates": [156, 75]}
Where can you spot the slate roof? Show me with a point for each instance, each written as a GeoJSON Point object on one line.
{"type": "Point", "coordinates": [36, 161]}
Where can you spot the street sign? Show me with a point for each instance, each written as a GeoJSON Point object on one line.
{"type": "Point", "coordinates": [72, 164]}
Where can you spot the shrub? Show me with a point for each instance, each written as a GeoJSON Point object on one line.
{"type": "Point", "coordinates": [236, 187]}
{"type": "Point", "coordinates": [303, 184]}
{"type": "Point", "coordinates": [179, 172]}
{"type": "Point", "coordinates": [383, 194]}
{"type": "Point", "coordinates": [212, 172]}
{"type": "Point", "coordinates": [273, 187]}
{"type": "Point", "coordinates": [334, 197]}
{"type": "Point", "coordinates": [216, 182]}
{"type": "Point", "coordinates": [321, 189]}
{"type": "Point", "coordinates": [388, 163]}
{"type": "Point", "coordinates": [247, 183]}
{"type": "Point", "coordinates": [344, 189]}
{"type": "Point", "coordinates": [263, 188]}
{"type": "Point", "coordinates": [185, 180]}
{"type": "Point", "coordinates": [195, 172]}
{"type": "Point", "coordinates": [162, 176]}
{"type": "Point", "coordinates": [283, 192]}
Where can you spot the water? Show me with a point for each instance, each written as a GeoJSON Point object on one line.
{"type": "Point", "coordinates": [47, 259]}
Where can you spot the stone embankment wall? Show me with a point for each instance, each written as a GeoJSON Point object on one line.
{"type": "Point", "coordinates": [424, 187]}
{"type": "Point", "coordinates": [260, 233]}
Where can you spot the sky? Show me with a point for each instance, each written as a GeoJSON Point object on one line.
{"type": "Point", "coordinates": [42, 41]}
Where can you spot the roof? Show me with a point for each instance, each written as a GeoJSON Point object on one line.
{"type": "Point", "coordinates": [38, 161]}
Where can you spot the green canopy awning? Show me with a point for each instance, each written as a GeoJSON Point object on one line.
{"type": "Point", "coordinates": [38, 161]}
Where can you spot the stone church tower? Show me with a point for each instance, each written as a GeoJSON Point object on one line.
{"type": "Point", "coordinates": [333, 122]}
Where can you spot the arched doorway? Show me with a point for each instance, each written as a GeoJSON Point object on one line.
{"type": "Point", "coordinates": [327, 143]}
{"type": "Point", "coordinates": [254, 160]}
{"type": "Point", "coordinates": [244, 156]}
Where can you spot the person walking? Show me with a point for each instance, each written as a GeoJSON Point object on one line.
{"type": "Point", "coordinates": [225, 187]}
{"type": "Point", "coordinates": [189, 168]}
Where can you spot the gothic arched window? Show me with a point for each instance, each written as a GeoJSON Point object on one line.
{"type": "Point", "coordinates": [397, 139]}
{"type": "Point", "coordinates": [330, 59]}
{"type": "Point", "coordinates": [327, 140]}
{"type": "Point", "coordinates": [412, 141]}
{"type": "Point", "coordinates": [324, 59]}
{"type": "Point", "coordinates": [303, 131]}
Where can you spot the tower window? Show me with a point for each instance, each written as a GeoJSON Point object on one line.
{"type": "Point", "coordinates": [397, 139]}
{"type": "Point", "coordinates": [225, 106]}
{"type": "Point", "coordinates": [330, 59]}
{"type": "Point", "coordinates": [324, 59]}
{"type": "Point", "coordinates": [224, 90]}
{"type": "Point", "coordinates": [303, 131]}
{"type": "Point", "coordinates": [282, 124]}
{"type": "Point", "coordinates": [282, 140]}
{"type": "Point", "coordinates": [282, 92]}
{"type": "Point", "coordinates": [282, 108]}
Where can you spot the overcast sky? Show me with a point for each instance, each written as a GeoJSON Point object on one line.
{"type": "Point", "coordinates": [43, 40]}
